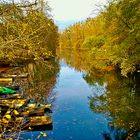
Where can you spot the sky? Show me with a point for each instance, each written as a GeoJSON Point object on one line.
{"type": "Point", "coordinates": [67, 12]}
{"type": "Point", "coordinates": [72, 10]}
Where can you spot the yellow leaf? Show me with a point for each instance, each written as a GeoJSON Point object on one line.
{"type": "Point", "coordinates": [8, 112]}
{"type": "Point", "coordinates": [8, 116]}
{"type": "Point", "coordinates": [41, 133]}
{"type": "Point", "coordinates": [16, 112]}
{"type": "Point", "coordinates": [44, 134]}
{"type": "Point", "coordinates": [35, 58]}
{"type": "Point", "coordinates": [5, 120]}
{"type": "Point", "coordinates": [39, 136]}
{"type": "Point", "coordinates": [31, 105]}
{"type": "Point", "coordinates": [48, 105]}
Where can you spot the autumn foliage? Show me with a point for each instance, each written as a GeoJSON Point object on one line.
{"type": "Point", "coordinates": [27, 31]}
{"type": "Point", "coordinates": [112, 36]}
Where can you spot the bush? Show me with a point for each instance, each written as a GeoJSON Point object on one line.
{"type": "Point", "coordinates": [94, 41]}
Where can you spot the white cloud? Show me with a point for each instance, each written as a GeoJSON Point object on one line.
{"type": "Point", "coordinates": [73, 9]}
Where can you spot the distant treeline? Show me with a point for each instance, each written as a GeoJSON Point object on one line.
{"type": "Point", "coordinates": [112, 37]}
{"type": "Point", "coordinates": [27, 31]}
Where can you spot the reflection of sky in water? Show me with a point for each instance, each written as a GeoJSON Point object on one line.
{"type": "Point", "coordinates": [99, 90]}
{"type": "Point", "coordinates": [72, 117]}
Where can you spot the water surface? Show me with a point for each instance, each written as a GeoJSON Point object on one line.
{"type": "Point", "coordinates": [72, 116]}
{"type": "Point", "coordinates": [87, 104]}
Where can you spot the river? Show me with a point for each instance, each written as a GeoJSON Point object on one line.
{"type": "Point", "coordinates": [87, 103]}
{"type": "Point", "coordinates": [89, 107]}
{"type": "Point", "coordinates": [72, 116]}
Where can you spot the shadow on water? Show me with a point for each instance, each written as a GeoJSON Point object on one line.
{"type": "Point", "coordinates": [37, 87]}
{"type": "Point", "coordinates": [40, 81]}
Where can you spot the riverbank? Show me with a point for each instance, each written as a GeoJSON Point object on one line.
{"type": "Point", "coordinates": [34, 83]}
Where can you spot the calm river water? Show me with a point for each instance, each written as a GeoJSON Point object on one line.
{"type": "Point", "coordinates": [92, 107]}
{"type": "Point", "coordinates": [72, 116]}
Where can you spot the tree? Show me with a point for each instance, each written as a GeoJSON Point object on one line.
{"type": "Point", "coordinates": [122, 20]}
{"type": "Point", "coordinates": [26, 32]}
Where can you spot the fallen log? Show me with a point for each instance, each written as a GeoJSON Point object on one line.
{"type": "Point", "coordinates": [35, 106]}
{"type": "Point", "coordinates": [26, 123]}
{"type": "Point", "coordinates": [33, 112]}
{"type": "Point", "coordinates": [37, 121]}
{"type": "Point", "coordinates": [46, 108]}
{"type": "Point", "coordinates": [13, 103]}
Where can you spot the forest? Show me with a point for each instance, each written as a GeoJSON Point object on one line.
{"type": "Point", "coordinates": [27, 32]}
{"type": "Point", "coordinates": [112, 38]}
{"type": "Point", "coordinates": [82, 79]}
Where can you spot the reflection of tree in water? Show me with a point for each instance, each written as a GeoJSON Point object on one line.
{"type": "Point", "coordinates": [114, 96]}
{"type": "Point", "coordinates": [120, 101]}
{"type": "Point", "coordinates": [40, 82]}
{"type": "Point", "coordinates": [81, 60]}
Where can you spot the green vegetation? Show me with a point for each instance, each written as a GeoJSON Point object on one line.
{"type": "Point", "coordinates": [27, 31]}
{"type": "Point", "coordinates": [120, 101]}
{"type": "Point", "coordinates": [112, 38]}
{"type": "Point", "coordinates": [100, 45]}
